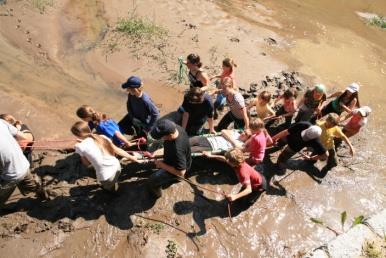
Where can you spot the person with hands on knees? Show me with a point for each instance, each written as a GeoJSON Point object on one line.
{"type": "Point", "coordinates": [330, 132]}
{"type": "Point", "coordinates": [253, 182]}
{"type": "Point", "coordinates": [176, 155]}
{"type": "Point", "coordinates": [99, 151]}
{"type": "Point", "coordinates": [142, 113]}
{"type": "Point", "coordinates": [310, 105]}
{"type": "Point", "coordinates": [198, 109]}
{"type": "Point", "coordinates": [300, 135]}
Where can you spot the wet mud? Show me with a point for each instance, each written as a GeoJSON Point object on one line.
{"type": "Point", "coordinates": [55, 60]}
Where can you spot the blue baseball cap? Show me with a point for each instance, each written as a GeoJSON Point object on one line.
{"type": "Point", "coordinates": [132, 83]}
{"type": "Point", "coordinates": [162, 128]}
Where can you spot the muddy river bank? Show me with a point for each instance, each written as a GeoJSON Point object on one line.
{"type": "Point", "coordinates": [56, 58]}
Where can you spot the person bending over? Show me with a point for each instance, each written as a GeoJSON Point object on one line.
{"type": "Point", "coordinates": [253, 182]}
{"type": "Point", "coordinates": [176, 155]}
{"type": "Point", "coordinates": [99, 151]}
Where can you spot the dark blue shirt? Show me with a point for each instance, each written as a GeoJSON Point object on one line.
{"type": "Point", "coordinates": [198, 113]}
{"type": "Point", "coordinates": [143, 109]}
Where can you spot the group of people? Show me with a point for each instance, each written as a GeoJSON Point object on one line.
{"type": "Point", "coordinates": [239, 139]}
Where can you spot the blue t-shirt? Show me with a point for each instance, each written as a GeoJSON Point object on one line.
{"type": "Point", "coordinates": [108, 128]}
{"type": "Point", "coordinates": [143, 109]}
{"type": "Point", "coordinates": [198, 113]}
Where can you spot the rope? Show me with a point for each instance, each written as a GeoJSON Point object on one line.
{"type": "Point", "coordinates": [182, 71]}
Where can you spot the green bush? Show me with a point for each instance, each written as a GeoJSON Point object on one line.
{"type": "Point", "coordinates": [42, 4]}
{"type": "Point", "coordinates": [140, 28]}
{"type": "Point", "coordinates": [379, 21]}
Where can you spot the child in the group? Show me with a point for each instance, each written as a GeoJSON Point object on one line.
{"type": "Point", "coordinates": [141, 110]}
{"type": "Point", "coordinates": [257, 144]}
{"type": "Point", "coordinates": [252, 181]}
{"type": "Point", "coordinates": [310, 105]}
{"type": "Point", "coordinates": [237, 110]}
{"type": "Point", "coordinates": [331, 131]}
{"type": "Point", "coordinates": [26, 145]}
{"type": "Point", "coordinates": [228, 66]}
{"type": "Point", "coordinates": [103, 125]}
{"type": "Point", "coordinates": [288, 109]}
{"type": "Point", "coordinates": [262, 105]}
{"type": "Point", "coordinates": [357, 121]}
{"type": "Point", "coordinates": [99, 151]}
{"type": "Point", "coordinates": [345, 100]}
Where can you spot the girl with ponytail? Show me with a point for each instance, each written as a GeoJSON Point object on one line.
{"type": "Point", "coordinates": [99, 151]}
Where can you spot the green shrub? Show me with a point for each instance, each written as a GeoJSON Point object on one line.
{"type": "Point", "coordinates": [42, 4]}
{"type": "Point", "coordinates": [379, 21]}
{"type": "Point", "coordinates": [140, 28]}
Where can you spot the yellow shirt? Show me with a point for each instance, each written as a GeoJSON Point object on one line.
{"type": "Point", "coordinates": [328, 135]}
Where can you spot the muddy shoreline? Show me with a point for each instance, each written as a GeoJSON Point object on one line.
{"type": "Point", "coordinates": [54, 60]}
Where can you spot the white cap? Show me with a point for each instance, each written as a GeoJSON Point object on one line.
{"type": "Point", "coordinates": [365, 111]}
{"type": "Point", "coordinates": [311, 133]}
{"type": "Point", "coordinates": [353, 87]}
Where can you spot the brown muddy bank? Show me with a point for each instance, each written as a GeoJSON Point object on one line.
{"type": "Point", "coordinates": [73, 65]}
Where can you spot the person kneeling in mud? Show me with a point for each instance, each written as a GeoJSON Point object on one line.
{"type": "Point", "coordinates": [176, 155]}
{"type": "Point", "coordinates": [26, 145]}
{"type": "Point", "coordinates": [99, 151]}
{"type": "Point", "coordinates": [299, 136]}
{"type": "Point", "coordinates": [14, 167]}
{"type": "Point", "coordinates": [253, 182]}
{"type": "Point", "coordinates": [330, 132]}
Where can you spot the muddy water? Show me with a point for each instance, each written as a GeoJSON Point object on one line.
{"type": "Point", "coordinates": [275, 226]}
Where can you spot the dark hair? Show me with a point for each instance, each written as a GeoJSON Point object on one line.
{"type": "Point", "coordinates": [194, 59]}
{"type": "Point", "coordinates": [195, 95]}
{"type": "Point", "coordinates": [290, 93]}
{"type": "Point", "coordinates": [86, 111]}
{"type": "Point", "coordinates": [352, 97]}
{"type": "Point", "coordinates": [229, 62]}
{"type": "Point", "coordinates": [265, 95]}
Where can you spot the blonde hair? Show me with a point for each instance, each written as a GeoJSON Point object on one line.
{"type": "Point", "coordinates": [235, 157]}
{"type": "Point", "coordinates": [81, 129]}
{"type": "Point", "coordinates": [333, 118]}
{"type": "Point", "coordinates": [256, 124]}
{"type": "Point", "coordinates": [86, 111]}
{"type": "Point", "coordinates": [227, 82]}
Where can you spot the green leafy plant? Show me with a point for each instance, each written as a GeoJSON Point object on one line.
{"type": "Point", "coordinates": [343, 217]}
{"type": "Point", "coordinates": [171, 249]}
{"type": "Point", "coordinates": [139, 28]}
{"type": "Point", "coordinates": [156, 228]}
{"type": "Point", "coordinates": [379, 21]}
{"type": "Point", "coordinates": [42, 4]}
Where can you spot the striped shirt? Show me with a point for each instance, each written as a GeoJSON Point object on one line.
{"type": "Point", "coordinates": [236, 105]}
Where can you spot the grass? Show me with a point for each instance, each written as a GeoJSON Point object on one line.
{"type": "Point", "coordinates": [379, 21]}
{"type": "Point", "coordinates": [373, 249]}
{"type": "Point", "coordinates": [42, 4]}
{"type": "Point", "coordinates": [155, 228]}
{"type": "Point", "coordinates": [171, 249]}
{"type": "Point", "coordinates": [140, 28]}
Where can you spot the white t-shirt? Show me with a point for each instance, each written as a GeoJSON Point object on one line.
{"type": "Point", "coordinates": [106, 166]}
{"type": "Point", "coordinates": [13, 164]}
{"type": "Point", "coordinates": [220, 143]}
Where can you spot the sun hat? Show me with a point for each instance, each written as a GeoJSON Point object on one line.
{"type": "Point", "coordinates": [353, 87]}
{"type": "Point", "coordinates": [311, 133]}
{"type": "Point", "coordinates": [320, 88]}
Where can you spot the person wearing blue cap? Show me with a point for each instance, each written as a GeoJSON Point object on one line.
{"type": "Point", "coordinates": [141, 110]}
{"type": "Point", "coordinates": [176, 158]}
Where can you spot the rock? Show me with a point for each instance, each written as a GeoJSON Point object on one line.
{"type": "Point", "coordinates": [350, 244]}
{"type": "Point", "coordinates": [38, 45]}
{"type": "Point", "coordinates": [270, 41]}
{"type": "Point", "coordinates": [378, 223]}
{"type": "Point", "coordinates": [27, 32]}
{"type": "Point", "coordinates": [263, 54]}
{"type": "Point", "coordinates": [29, 40]}
{"type": "Point", "coordinates": [318, 253]}
{"type": "Point", "coordinates": [234, 39]}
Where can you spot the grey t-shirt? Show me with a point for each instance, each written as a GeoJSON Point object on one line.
{"type": "Point", "coordinates": [13, 164]}
{"type": "Point", "coordinates": [220, 143]}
